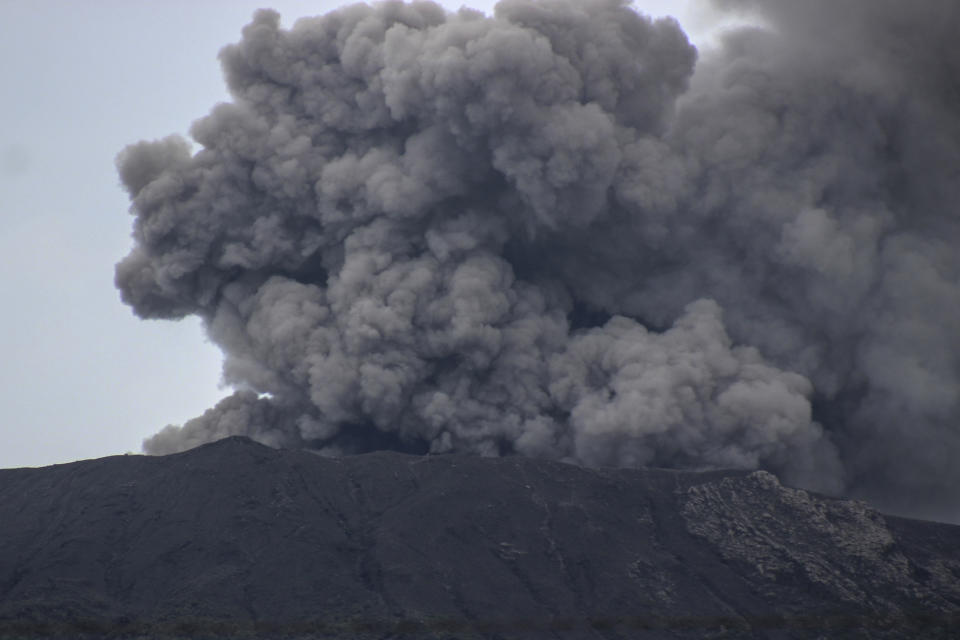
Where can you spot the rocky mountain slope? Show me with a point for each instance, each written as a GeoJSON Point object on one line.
{"type": "Point", "coordinates": [235, 539]}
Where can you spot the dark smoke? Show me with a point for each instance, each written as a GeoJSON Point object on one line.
{"type": "Point", "coordinates": [545, 233]}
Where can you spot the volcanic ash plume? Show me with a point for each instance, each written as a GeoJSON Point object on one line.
{"type": "Point", "coordinates": [547, 233]}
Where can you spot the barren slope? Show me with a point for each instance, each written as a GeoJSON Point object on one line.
{"type": "Point", "coordinates": [235, 539]}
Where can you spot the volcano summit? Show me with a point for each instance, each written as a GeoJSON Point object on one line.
{"type": "Point", "coordinates": [234, 540]}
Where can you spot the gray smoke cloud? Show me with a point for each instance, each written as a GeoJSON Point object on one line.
{"type": "Point", "coordinates": [555, 232]}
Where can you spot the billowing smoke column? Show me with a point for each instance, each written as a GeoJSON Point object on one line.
{"type": "Point", "coordinates": [544, 233]}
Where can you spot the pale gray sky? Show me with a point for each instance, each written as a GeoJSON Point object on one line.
{"type": "Point", "coordinates": [81, 376]}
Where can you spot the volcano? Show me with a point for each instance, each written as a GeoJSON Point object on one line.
{"type": "Point", "coordinates": [236, 539]}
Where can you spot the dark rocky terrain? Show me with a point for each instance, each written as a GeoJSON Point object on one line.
{"type": "Point", "coordinates": [237, 540]}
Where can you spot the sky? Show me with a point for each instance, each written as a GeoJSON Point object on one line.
{"type": "Point", "coordinates": [82, 377]}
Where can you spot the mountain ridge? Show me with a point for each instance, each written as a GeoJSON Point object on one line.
{"type": "Point", "coordinates": [235, 539]}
